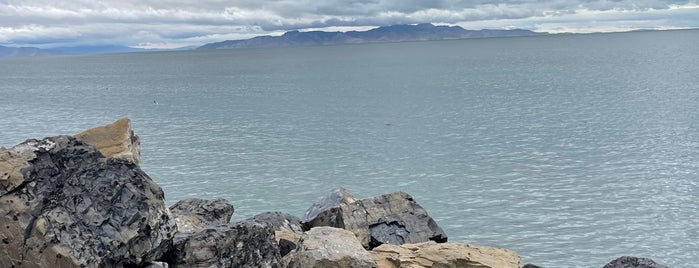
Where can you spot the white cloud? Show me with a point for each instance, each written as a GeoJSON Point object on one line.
{"type": "Point", "coordinates": [167, 23]}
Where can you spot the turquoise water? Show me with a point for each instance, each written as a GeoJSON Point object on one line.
{"type": "Point", "coordinates": [571, 150]}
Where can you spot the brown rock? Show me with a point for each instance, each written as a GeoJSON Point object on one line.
{"type": "Point", "coordinates": [115, 140]}
{"type": "Point", "coordinates": [328, 247]}
{"type": "Point", "coordinates": [445, 255]}
{"type": "Point", "coordinates": [13, 160]}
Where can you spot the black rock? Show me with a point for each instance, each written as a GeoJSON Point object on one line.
{"type": "Point", "coordinates": [216, 211]}
{"type": "Point", "coordinates": [243, 244]}
{"type": "Point", "coordinates": [72, 207]}
{"type": "Point", "coordinates": [633, 262]}
{"type": "Point", "coordinates": [393, 218]}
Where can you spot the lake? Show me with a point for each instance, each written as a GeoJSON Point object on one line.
{"type": "Point", "coordinates": [571, 150]}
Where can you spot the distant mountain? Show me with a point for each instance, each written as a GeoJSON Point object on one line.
{"type": "Point", "coordinates": [396, 33]}
{"type": "Point", "coordinates": [98, 49]}
{"type": "Point", "coordinates": [25, 51]}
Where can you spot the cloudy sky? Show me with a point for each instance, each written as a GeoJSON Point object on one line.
{"type": "Point", "coordinates": [177, 23]}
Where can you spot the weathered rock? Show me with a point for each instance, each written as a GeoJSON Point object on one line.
{"type": "Point", "coordinates": [287, 229]}
{"type": "Point", "coordinates": [188, 223]}
{"type": "Point", "coordinates": [242, 244]}
{"type": "Point", "coordinates": [279, 221]}
{"type": "Point", "coordinates": [633, 262]}
{"type": "Point", "coordinates": [194, 213]}
{"type": "Point", "coordinates": [328, 247]}
{"type": "Point", "coordinates": [393, 218]}
{"type": "Point", "coordinates": [115, 140]}
{"type": "Point", "coordinates": [287, 241]}
{"type": "Point", "coordinates": [445, 255]}
{"type": "Point", "coordinates": [324, 211]}
{"type": "Point", "coordinates": [69, 206]}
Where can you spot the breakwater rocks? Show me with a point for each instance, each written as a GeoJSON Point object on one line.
{"type": "Point", "coordinates": [83, 201]}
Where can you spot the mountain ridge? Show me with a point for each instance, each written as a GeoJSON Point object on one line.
{"type": "Point", "coordinates": [385, 34]}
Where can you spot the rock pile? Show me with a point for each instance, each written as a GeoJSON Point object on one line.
{"type": "Point", "coordinates": [83, 201]}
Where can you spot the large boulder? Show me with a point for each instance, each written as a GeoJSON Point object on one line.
{"type": "Point", "coordinates": [392, 218]}
{"type": "Point", "coordinates": [243, 244]}
{"type": "Point", "coordinates": [194, 213]}
{"type": "Point", "coordinates": [63, 204]}
{"type": "Point", "coordinates": [446, 255]}
{"type": "Point", "coordinates": [115, 140]}
{"type": "Point", "coordinates": [633, 262]}
{"type": "Point", "coordinates": [328, 247]}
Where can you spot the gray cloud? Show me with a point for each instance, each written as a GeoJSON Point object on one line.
{"type": "Point", "coordinates": [185, 22]}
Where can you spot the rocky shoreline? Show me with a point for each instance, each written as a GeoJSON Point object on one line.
{"type": "Point", "coordinates": [83, 201]}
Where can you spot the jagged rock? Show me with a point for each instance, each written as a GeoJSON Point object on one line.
{"type": "Point", "coordinates": [287, 229]}
{"type": "Point", "coordinates": [194, 213]}
{"type": "Point", "coordinates": [447, 255]}
{"type": "Point", "coordinates": [115, 140]}
{"type": "Point", "coordinates": [243, 244]}
{"type": "Point", "coordinates": [328, 247]}
{"type": "Point", "coordinates": [393, 218]}
{"type": "Point", "coordinates": [66, 205]}
{"type": "Point", "coordinates": [633, 262]}
{"type": "Point", "coordinates": [324, 211]}
{"type": "Point", "coordinates": [287, 241]}
{"type": "Point", "coordinates": [279, 221]}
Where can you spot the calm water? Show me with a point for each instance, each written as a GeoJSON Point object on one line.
{"type": "Point", "coordinates": [570, 150]}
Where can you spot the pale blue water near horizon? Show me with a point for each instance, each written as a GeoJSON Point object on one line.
{"type": "Point", "coordinates": [571, 150]}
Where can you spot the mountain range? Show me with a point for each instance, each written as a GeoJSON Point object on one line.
{"type": "Point", "coordinates": [395, 33]}
{"type": "Point", "coordinates": [25, 51]}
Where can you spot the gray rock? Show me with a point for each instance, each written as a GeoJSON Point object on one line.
{"type": "Point", "coordinates": [287, 229]}
{"type": "Point", "coordinates": [328, 247]}
{"type": "Point", "coordinates": [633, 262]}
{"type": "Point", "coordinates": [69, 206]}
{"type": "Point", "coordinates": [329, 202]}
{"type": "Point", "coordinates": [242, 244]}
{"type": "Point", "coordinates": [279, 221]}
{"type": "Point", "coordinates": [393, 218]}
{"type": "Point", "coordinates": [216, 211]}
{"type": "Point", "coordinates": [158, 265]}
{"type": "Point", "coordinates": [529, 265]}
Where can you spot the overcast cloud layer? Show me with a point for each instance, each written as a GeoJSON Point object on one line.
{"type": "Point", "coordinates": [176, 23]}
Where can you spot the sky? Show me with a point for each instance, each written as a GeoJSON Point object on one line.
{"type": "Point", "coordinates": [180, 23]}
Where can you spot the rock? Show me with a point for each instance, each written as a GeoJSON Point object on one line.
{"type": "Point", "coordinates": [115, 140]}
{"type": "Point", "coordinates": [633, 262]}
{"type": "Point", "coordinates": [318, 214]}
{"type": "Point", "coordinates": [279, 221]}
{"type": "Point", "coordinates": [328, 247]}
{"type": "Point", "coordinates": [188, 223]}
{"type": "Point", "coordinates": [158, 265]}
{"type": "Point", "coordinates": [64, 204]}
{"type": "Point", "coordinates": [195, 213]}
{"type": "Point", "coordinates": [529, 265]}
{"type": "Point", "coordinates": [287, 241]}
{"type": "Point", "coordinates": [243, 244]}
{"type": "Point", "coordinates": [393, 218]}
{"type": "Point", "coordinates": [447, 255]}
{"type": "Point", "coordinates": [287, 229]}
